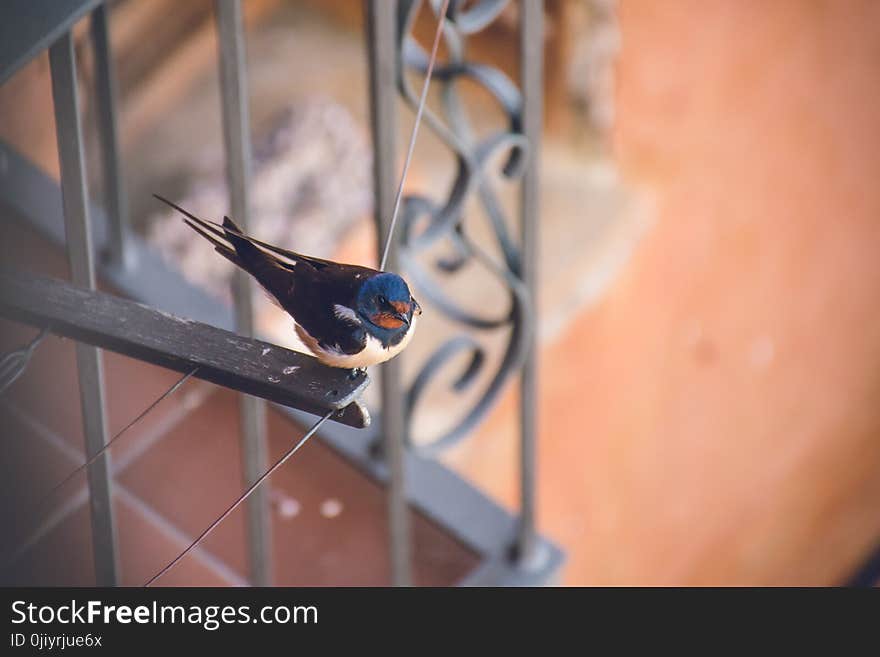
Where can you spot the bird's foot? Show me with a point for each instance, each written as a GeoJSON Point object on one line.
{"type": "Point", "coordinates": [356, 372]}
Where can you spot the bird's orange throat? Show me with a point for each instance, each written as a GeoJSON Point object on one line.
{"type": "Point", "coordinates": [387, 321]}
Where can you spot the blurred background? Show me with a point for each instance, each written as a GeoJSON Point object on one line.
{"type": "Point", "coordinates": [705, 325]}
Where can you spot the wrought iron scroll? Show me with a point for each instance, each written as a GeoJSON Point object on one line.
{"type": "Point", "coordinates": [425, 222]}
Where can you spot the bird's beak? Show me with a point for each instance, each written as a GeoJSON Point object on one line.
{"type": "Point", "coordinates": [402, 311]}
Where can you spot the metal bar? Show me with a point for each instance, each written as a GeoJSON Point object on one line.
{"type": "Point", "coordinates": [244, 364]}
{"type": "Point", "coordinates": [531, 73]}
{"type": "Point", "coordinates": [79, 254]}
{"type": "Point", "coordinates": [27, 27]}
{"type": "Point", "coordinates": [381, 25]}
{"type": "Point", "coordinates": [116, 251]}
{"type": "Point", "coordinates": [236, 137]}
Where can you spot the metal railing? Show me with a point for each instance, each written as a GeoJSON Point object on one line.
{"type": "Point", "coordinates": [393, 55]}
{"type": "Point", "coordinates": [82, 273]}
{"type": "Point", "coordinates": [511, 550]}
{"type": "Point", "coordinates": [236, 138]}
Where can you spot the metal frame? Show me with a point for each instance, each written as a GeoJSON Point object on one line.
{"type": "Point", "coordinates": [37, 25]}
{"type": "Point", "coordinates": [383, 119]}
{"type": "Point", "coordinates": [237, 141]}
{"type": "Point", "coordinates": [117, 253]}
{"type": "Point", "coordinates": [82, 272]}
{"type": "Point", "coordinates": [531, 49]}
{"type": "Point", "coordinates": [432, 489]}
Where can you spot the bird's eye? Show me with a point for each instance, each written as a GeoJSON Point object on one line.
{"type": "Point", "coordinates": [382, 300]}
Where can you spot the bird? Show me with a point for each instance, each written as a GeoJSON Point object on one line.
{"type": "Point", "coordinates": [348, 316]}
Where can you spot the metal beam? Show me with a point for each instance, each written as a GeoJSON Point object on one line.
{"type": "Point", "coordinates": [27, 27]}
{"type": "Point", "coordinates": [82, 273]}
{"type": "Point", "coordinates": [222, 357]}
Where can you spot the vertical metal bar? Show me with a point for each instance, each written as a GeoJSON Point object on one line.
{"type": "Point", "coordinates": [531, 74]}
{"type": "Point", "coordinates": [236, 136]}
{"type": "Point", "coordinates": [117, 253]}
{"type": "Point", "coordinates": [82, 273]}
{"type": "Point", "coordinates": [381, 21]}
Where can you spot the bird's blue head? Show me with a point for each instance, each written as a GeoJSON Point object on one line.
{"type": "Point", "coordinates": [385, 303]}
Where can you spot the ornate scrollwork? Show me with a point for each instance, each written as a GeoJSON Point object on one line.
{"type": "Point", "coordinates": [425, 222]}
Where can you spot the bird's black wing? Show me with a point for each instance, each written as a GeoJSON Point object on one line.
{"type": "Point", "coordinates": [309, 289]}
{"type": "Point", "coordinates": [228, 224]}
{"type": "Point", "coordinates": [317, 263]}
{"type": "Point", "coordinates": [277, 278]}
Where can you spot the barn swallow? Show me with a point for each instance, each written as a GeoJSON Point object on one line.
{"type": "Point", "coordinates": [348, 316]}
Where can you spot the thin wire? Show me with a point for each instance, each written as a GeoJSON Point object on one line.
{"type": "Point", "coordinates": [14, 364]}
{"type": "Point", "coordinates": [244, 496]}
{"type": "Point", "coordinates": [128, 426]}
{"type": "Point", "coordinates": [415, 132]}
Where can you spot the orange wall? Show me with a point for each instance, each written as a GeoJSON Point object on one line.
{"type": "Point", "coordinates": [731, 410]}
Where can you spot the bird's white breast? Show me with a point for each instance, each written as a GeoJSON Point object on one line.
{"type": "Point", "coordinates": [373, 352]}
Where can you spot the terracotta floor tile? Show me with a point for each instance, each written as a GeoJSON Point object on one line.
{"type": "Point", "coordinates": [191, 473]}
{"type": "Point", "coordinates": [29, 467]}
{"type": "Point", "coordinates": [329, 520]}
{"type": "Point", "coordinates": [132, 386]}
{"type": "Point", "coordinates": [64, 556]}
{"type": "Point", "coordinates": [349, 548]}
{"type": "Point", "coordinates": [145, 546]}
{"type": "Point", "coordinates": [49, 388]}
{"type": "Point", "coordinates": [49, 391]}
